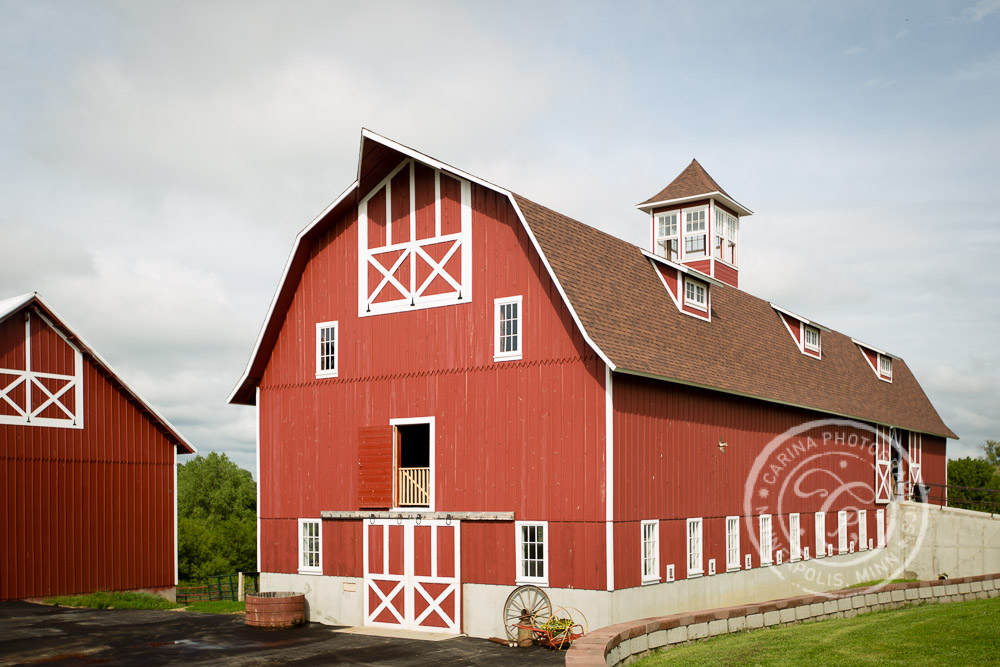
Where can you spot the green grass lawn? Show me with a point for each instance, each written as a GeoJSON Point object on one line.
{"type": "Point", "coordinates": [957, 633]}
{"type": "Point", "coordinates": [107, 600]}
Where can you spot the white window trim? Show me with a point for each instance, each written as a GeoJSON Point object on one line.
{"type": "Point", "coordinates": [732, 565]}
{"type": "Point", "coordinates": [691, 573]}
{"type": "Point", "coordinates": [302, 568]}
{"type": "Point", "coordinates": [842, 531]}
{"type": "Point", "coordinates": [805, 339]}
{"type": "Point", "coordinates": [328, 373]}
{"type": "Point", "coordinates": [676, 236]}
{"type": "Point", "coordinates": [523, 579]}
{"type": "Point", "coordinates": [882, 359]}
{"type": "Point", "coordinates": [517, 354]}
{"type": "Point", "coordinates": [794, 537]}
{"type": "Point", "coordinates": [862, 530]}
{"type": "Point", "coordinates": [880, 528]}
{"type": "Point", "coordinates": [766, 550]}
{"type": "Point", "coordinates": [820, 532]}
{"type": "Point", "coordinates": [721, 218]}
{"type": "Point", "coordinates": [683, 232]}
{"type": "Point", "coordinates": [650, 577]}
{"type": "Point", "coordinates": [695, 304]}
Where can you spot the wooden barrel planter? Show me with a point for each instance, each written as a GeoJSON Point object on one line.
{"type": "Point", "coordinates": [276, 610]}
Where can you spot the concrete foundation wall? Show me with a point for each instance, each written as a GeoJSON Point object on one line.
{"type": "Point", "coordinates": [945, 540]}
{"type": "Point", "coordinates": [329, 600]}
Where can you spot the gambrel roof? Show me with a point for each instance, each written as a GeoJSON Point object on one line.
{"type": "Point", "coordinates": [33, 300]}
{"type": "Point", "coordinates": [624, 313]}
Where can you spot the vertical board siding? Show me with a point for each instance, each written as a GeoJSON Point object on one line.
{"type": "Point", "coordinates": [83, 509]}
{"type": "Point", "coordinates": [523, 436]}
{"type": "Point", "coordinates": [673, 469]}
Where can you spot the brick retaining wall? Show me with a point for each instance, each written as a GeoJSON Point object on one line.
{"type": "Point", "coordinates": [626, 642]}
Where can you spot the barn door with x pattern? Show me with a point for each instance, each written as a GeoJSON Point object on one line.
{"type": "Point", "coordinates": [414, 231]}
{"type": "Point", "coordinates": [916, 456]}
{"type": "Point", "coordinates": [883, 465]}
{"type": "Point", "coordinates": [411, 574]}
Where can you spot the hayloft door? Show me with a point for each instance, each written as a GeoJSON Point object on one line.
{"type": "Point", "coordinates": [411, 573]}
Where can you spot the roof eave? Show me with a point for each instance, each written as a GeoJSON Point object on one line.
{"type": "Point", "coordinates": [648, 206]}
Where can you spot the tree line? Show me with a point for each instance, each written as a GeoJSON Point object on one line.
{"type": "Point", "coordinates": [981, 476]}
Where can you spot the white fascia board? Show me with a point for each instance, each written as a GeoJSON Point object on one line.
{"type": "Point", "coordinates": [14, 304]}
{"type": "Point", "coordinates": [694, 273]}
{"type": "Point", "coordinates": [874, 349]}
{"type": "Point", "coordinates": [726, 199]}
{"type": "Point", "coordinates": [799, 317]}
{"type": "Point", "coordinates": [103, 362]}
{"type": "Point", "coordinates": [281, 283]}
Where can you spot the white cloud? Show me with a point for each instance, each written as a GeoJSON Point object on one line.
{"type": "Point", "coordinates": [855, 50]}
{"type": "Point", "coordinates": [982, 10]}
{"type": "Point", "coordinates": [987, 67]}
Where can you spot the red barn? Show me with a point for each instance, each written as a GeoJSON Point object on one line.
{"type": "Point", "coordinates": [459, 391]}
{"type": "Point", "coordinates": [87, 467]}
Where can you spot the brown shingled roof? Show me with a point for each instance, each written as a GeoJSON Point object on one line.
{"type": "Point", "coordinates": [691, 182]}
{"type": "Point", "coordinates": [745, 349]}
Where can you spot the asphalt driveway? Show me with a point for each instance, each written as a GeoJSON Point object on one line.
{"type": "Point", "coordinates": [35, 633]}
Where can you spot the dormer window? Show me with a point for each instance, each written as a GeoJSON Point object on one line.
{"type": "Point", "coordinates": [695, 294]}
{"type": "Point", "coordinates": [811, 338]}
{"type": "Point", "coordinates": [885, 366]}
{"type": "Point", "coordinates": [667, 244]}
{"type": "Point", "coordinates": [694, 233]}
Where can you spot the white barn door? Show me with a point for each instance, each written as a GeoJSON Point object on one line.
{"type": "Point", "coordinates": [883, 465]}
{"type": "Point", "coordinates": [412, 574]}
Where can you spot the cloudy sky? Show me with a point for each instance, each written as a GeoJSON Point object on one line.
{"type": "Point", "coordinates": [157, 159]}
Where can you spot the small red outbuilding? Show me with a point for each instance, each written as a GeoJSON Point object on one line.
{"type": "Point", "coordinates": [87, 467]}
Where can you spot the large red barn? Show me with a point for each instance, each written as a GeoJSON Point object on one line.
{"type": "Point", "coordinates": [87, 468]}
{"type": "Point", "coordinates": [459, 391]}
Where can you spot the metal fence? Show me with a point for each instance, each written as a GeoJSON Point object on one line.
{"type": "Point", "coordinates": [220, 587]}
{"type": "Point", "coordinates": [962, 497]}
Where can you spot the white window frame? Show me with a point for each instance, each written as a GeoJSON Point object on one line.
{"type": "Point", "coordinates": [327, 372]}
{"type": "Point", "coordinates": [649, 543]}
{"type": "Point", "coordinates": [794, 538]}
{"type": "Point", "coordinates": [880, 528]}
{"type": "Point", "coordinates": [702, 231]}
{"type": "Point", "coordinates": [509, 355]}
{"type": "Point", "coordinates": [820, 532]}
{"type": "Point", "coordinates": [806, 330]}
{"type": "Point", "coordinates": [862, 530]}
{"type": "Point", "coordinates": [695, 548]}
{"type": "Point", "coordinates": [885, 363]}
{"type": "Point", "coordinates": [766, 539]}
{"type": "Point", "coordinates": [732, 543]}
{"type": "Point", "coordinates": [303, 567]}
{"type": "Point", "coordinates": [520, 559]}
{"type": "Point", "coordinates": [659, 239]}
{"type": "Point", "coordinates": [696, 285]}
{"type": "Point", "coordinates": [725, 229]}
{"type": "Point", "coordinates": [842, 531]}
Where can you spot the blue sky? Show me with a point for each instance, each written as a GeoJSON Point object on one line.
{"type": "Point", "coordinates": [157, 159]}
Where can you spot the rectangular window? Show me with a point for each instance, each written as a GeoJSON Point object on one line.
{"type": "Point", "coordinates": [326, 350]}
{"type": "Point", "coordinates": [694, 548]}
{"type": "Point", "coordinates": [765, 539]}
{"type": "Point", "coordinates": [533, 558]}
{"type": "Point", "coordinates": [650, 551]}
{"type": "Point", "coordinates": [880, 528]}
{"type": "Point", "coordinates": [862, 530]}
{"type": "Point", "coordinates": [310, 547]}
{"type": "Point", "coordinates": [666, 235]}
{"type": "Point", "coordinates": [794, 538]}
{"type": "Point", "coordinates": [730, 256]}
{"type": "Point", "coordinates": [842, 531]}
{"type": "Point", "coordinates": [885, 366]}
{"type": "Point", "coordinates": [507, 341]}
{"type": "Point", "coordinates": [694, 234]}
{"type": "Point", "coordinates": [732, 543]}
{"type": "Point", "coordinates": [811, 338]}
{"type": "Point", "coordinates": [820, 534]}
{"type": "Point", "coordinates": [695, 294]}
{"type": "Point", "coordinates": [724, 236]}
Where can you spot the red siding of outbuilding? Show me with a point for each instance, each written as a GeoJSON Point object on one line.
{"type": "Point", "coordinates": [933, 468]}
{"type": "Point", "coordinates": [83, 509]}
{"type": "Point", "coordinates": [525, 436]}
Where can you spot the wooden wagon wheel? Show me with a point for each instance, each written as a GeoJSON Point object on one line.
{"type": "Point", "coordinates": [526, 605]}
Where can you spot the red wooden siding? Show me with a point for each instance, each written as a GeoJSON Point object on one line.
{"type": "Point", "coordinates": [84, 509]}
{"type": "Point", "coordinates": [727, 274]}
{"type": "Point", "coordinates": [933, 468]}
{"type": "Point", "coordinates": [674, 469]}
{"type": "Point", "coordinates": [703, 265]}
{"type": "Point", "coordinates": [524, 436]}
{"type": "Point", "coordinates": [793, 324]}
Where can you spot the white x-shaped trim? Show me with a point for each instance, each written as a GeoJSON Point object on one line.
{"type": "Point", "coordinates": [386, 600]}
{"type": "Point", "coordinates": [53, 398]}
{"type": "Point", "coordinates": [435, 604]}
{"type": "Point", "coordinates": [4, 393]}
{"type": "Point", "coordinates": [438, 269]}
{"type": "Point", "coordinates": [388, 276]}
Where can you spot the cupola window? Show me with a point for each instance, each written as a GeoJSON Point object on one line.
{"type": "Point", "coordinates": [694, 233]}
{"type": "Point", "coordinates": [666, 236]}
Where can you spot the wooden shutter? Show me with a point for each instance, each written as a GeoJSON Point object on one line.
{"type": "Point", "coordinates": [375, 448]}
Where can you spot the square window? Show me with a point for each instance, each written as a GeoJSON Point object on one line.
{"type": "Point", "coordinates": [695, 568]}
{"type": "Point", "coordinates": [310, 546]}
{"type": "Point", "coordinates": [532, 553]}
{"type": "Point", "coordinates": [507, 329]}
{"type": "Point", "coordinates": [650, 551]}
{"type": "Point", "coordinates": [327, 357]}
{"type": "Point", "coordinates": [696, 294]}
